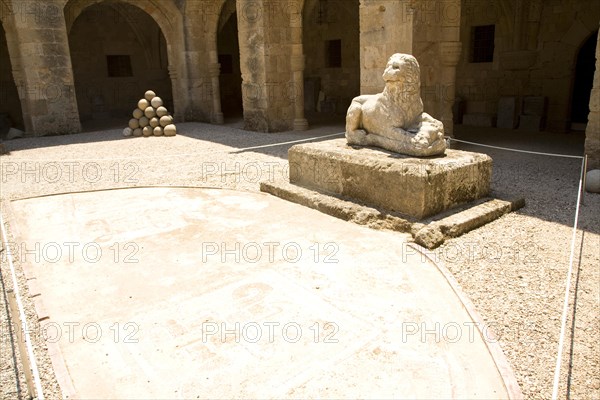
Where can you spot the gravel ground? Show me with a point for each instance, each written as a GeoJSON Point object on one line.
{"type": "Point", "coordinates": [513, 269]}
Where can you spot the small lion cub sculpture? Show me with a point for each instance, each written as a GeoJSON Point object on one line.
{"type": "Point", "coordinates": [394, 120]}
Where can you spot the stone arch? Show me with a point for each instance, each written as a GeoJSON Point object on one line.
{"type": "Point", "coordinates": [4, 10]}
{"type": "Point", "coordinates": [170, 22]}
{"type": "Point", "coordinates": [569, 45]}
{"type": "Point", "coordinates": [11, 113]}
{"type": "Point", "coordinates": [330, 28]}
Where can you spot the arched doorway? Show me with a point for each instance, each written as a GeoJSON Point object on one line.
{"type": "Point", "coordinates": [331, 37]}
{"type": "Point", "coordinates": [11, 114]}
{"type": "Point", "coordinates": [585, 67]}
{"type": "Point", "coordinates": [114, 66]}
{"type": "Point", "coordinates": [230, 80]}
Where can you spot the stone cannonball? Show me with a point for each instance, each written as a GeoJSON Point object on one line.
{"type": "Point", "coordinates": [137, 113]}
{"type": "Point", "coordinates": [170, 130]}
{"type": "Point", "coordinates": [134, 123]}
{"type": "Point", "coordinates": [156, 102]}
{"type": "Point", "coordinates": [161, 111]}
{"type": "Point", "coordinates": [158, 131]}
{"type": "Point", "coordinates": [154, 122]}
{"type": "Point", "coordinates": [147, 131]}
{"type": "Point", "coordinates": [143, 104]}
{"type": "Point", "coordinates": [149, 95]}
{"type": "Point", "coordinates": [144, 122]}
{"type": "Point", "coordinates": [137, 132]}
{"type": "Point", "coordinates": [592, 181]}
{"type": "Point", "coordinates": [150, 112]}
{"type": "Point", "coordinates": [166, 120]}
{"type": "Point", "coordinates": [127, 132]}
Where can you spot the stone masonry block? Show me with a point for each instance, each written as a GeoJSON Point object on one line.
{"type": "Point", "coordinates": [418, 187]}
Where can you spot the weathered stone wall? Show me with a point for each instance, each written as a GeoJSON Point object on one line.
{"type": "Point", "coordinates": [117, 29]}
{"type": "Point", "coordinates": [200, 19]}
{"type": "Point", "coordinates": [267, 32]}
{"type": "Point", "coordinates": [536, 45]}
{"type": "Point", "coordinates": [386, 27]}
{"type": "Point", "coordinates": [281, 44]}
{"type": "Point", "coordinates": [592, 132]}
{"type": "Point", "coordinates": [41, 64]}
{"type": "Point", "coordinates": [436, 44]}
{"type": "Point", "coordinates": [333, 20]}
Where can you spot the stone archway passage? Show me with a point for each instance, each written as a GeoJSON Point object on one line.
{"type": "Point", "coordinates": [118, 51]}
{"type": "Point", "coordinates": [11, 114]}
{"type": "Point", "coordinates": [331, 36]}
{"type": "Point", "coordinates": [230, 79]}
{"type": "Point", "coordinates": [204, 293]}
{"type": "Point", "coordinates": [584, 79]}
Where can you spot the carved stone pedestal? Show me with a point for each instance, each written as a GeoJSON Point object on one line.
{"type": "Point", "coordinates": [417, 187]}
{"type": "Point", "coordinates": [432, 198]}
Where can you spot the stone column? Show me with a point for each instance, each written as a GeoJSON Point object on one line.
{"type": "Point", "coordinates": [592, 132]}
{"type": "Point", "coordinates": [297, 64]}
{"type": "Point", "coordinates": [386, 27]}
{"type": "Point", "coordinates": [449, 56]}
{"type": "Point", "coordinates": [44, 73]}
{"type": "Point", "coordinates": [178, 105]}
{"type": "Point", "coordinates": [214, 69]}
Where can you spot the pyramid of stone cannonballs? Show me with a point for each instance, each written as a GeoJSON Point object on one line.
{"type": "Point", "coordinates": [151, 118]}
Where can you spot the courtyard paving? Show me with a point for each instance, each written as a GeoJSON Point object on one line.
{"type": "Point", "coordinates": [513, 269]}
{"type": "Point", "coordinates": [209, 293]}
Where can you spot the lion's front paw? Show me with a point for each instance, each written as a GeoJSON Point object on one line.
{"type": "Point", "coordinates": [421, 140]}
{"type": "Point", "coordinates": [357, 136]}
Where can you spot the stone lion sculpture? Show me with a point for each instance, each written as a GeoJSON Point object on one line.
{"type": "Point", "coordinates": [394, 120]}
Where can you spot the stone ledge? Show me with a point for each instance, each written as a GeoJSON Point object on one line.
{"type": "Point", "coordinates": [429, 233]}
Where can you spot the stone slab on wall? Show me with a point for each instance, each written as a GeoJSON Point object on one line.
{"type": "Point", "coordinates": [507, 113]}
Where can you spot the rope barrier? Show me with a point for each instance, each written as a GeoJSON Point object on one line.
{"type": "Point", "coordinates": [284, 143]}
{"type": "Point", "coordinates": [515, 150]}
{"type": "Point", "coordinates": [563, 326]}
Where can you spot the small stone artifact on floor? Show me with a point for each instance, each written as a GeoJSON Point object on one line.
{"type": "Point", "coordinates": [394, 120]}
{"type": "Point", "coordinates": [592, 182]}
{"type": "Point", "coordinates": [150, 118]}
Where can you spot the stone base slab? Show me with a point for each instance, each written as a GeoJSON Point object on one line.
{"type": "Point", "coordinates": [429, 233]}
{"type": "Point", "coordinates": [415, 187]}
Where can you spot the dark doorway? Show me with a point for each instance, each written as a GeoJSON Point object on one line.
{"type": "Point", "coordinates": [230, 80]}
{"type": "Point", "coordinates": [10, 104]}
{"type": "Point", "coordinates": [584, 79]}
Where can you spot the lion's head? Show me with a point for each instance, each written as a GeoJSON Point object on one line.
{"type": "Point", "coordinates": [402, 77]}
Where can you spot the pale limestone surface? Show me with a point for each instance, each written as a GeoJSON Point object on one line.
{"type": "Point", "coordinates": [394, 120]}
{"type": "Point", "coordinates": [173, 289]}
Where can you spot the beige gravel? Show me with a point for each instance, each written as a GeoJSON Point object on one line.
{"type": "Point", "coordinates": [513, 269]}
